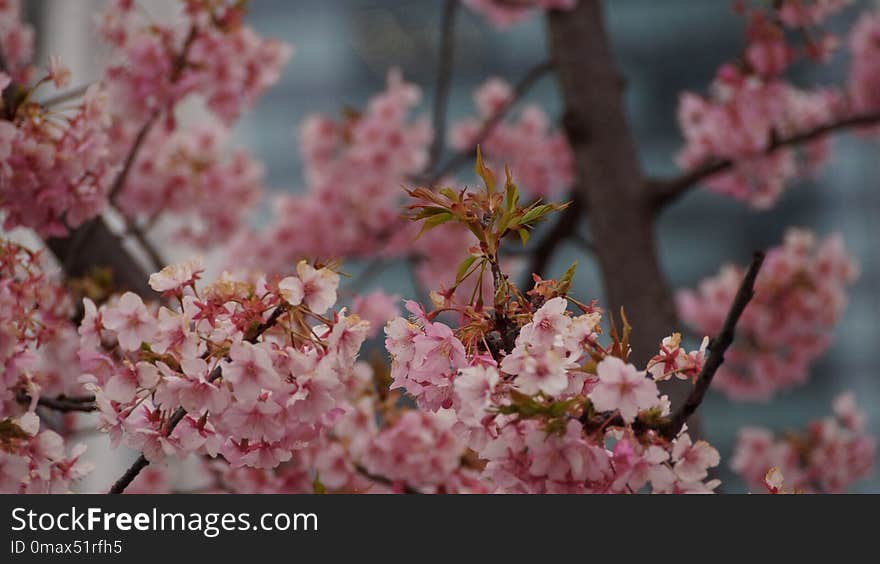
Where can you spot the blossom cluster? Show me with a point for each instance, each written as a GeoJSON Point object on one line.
{"type": "Point", "coordinates": [532, 416]}
{"type": "Point", "coordinates": [354, 168]}
{"type": "Point", "coordinates": [37, 356]}
{"type": "Point", "coordinates": [751, 107]}
{"type": "Point", "coordinates": [35, 461]}
{"type": "Point", "coordinates": [252, 371]}
{"type": "Point", "coordinates": [55, 164]}
{"type": "Point", "coordinates": [864, 45]}
{"type": "Point", "coordinates": [188, 173]}
{"type": "Point", "coordinates": [38, 341]}
{"type": "Point", "coordinates": [504, 13]}
{"type": "Point", "coordinates": [59, 165]}
{"type": "Point", "coordinates": [16, 42]}
{"type": "Point", "coordinates": [830, 455]}
{"type": "Point", "coordinates": [214, 54]}
{"type": "Point", "coordinates": [799, 296]}
{"type": "Point", "coordinates": [409, 451]}
{"type": "Point", "coordinates": [540, 159]}
{"type": "Point", "coordinates": [537, 396]}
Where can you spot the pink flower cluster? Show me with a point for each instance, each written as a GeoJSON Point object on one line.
{"type": "Point", "coordinates": [411, 451]}
{"type": "Point", "coordinates": [420, 450]}
{"type": "Point", "coordinates": [556, 414]}
{"type": "Point", "coordinates": [799, 296]}
{"type": "Point", "coordinates": [55, 167]}
{"type": "Point", "coordinates": [751, 107]}
{"type": "Point", "coordinates": [741, 121]}
{"type": "Point", "coordinates": [540, 159]}
{"type": "Point", "coordinates": [187, 172]}
{"type": "Point", "coordinates": [259, 368]}
{"type": "Point", "coordinates": [505, 13]}
{"type": "Point", "coordinates": [34, 461]}
{"type": "Point", "coordinates": [213, 55]}
{"type": "Point", "coordinates": [354, 168]}
{"type": "Point", "coordinates": [37, 356]}
{"type": "Point", "coordinates": [38, 341]}
{"type": "Point", "coordinates": [808, 13]}
{"type": "Point", "coordinates": [864, 74]}
{"type": "Point", "coordinates": [828, 457]}
{"type": "Point", "coordinates": [16, 42]}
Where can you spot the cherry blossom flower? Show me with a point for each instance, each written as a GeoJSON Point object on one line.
{"type": "Point", "coordinates": [623, 388]}
{"type": "Point", "coordinates": [829, 456]}
{"type": "Point", "coordinates": [503, 14]}
{"type": "Point", "coordinates": [131, 322]}
{"type": "Point", "coordinates": [799, 295]}
{"type": "Point", "coordinates": [692, 460]}
{"type": "Point", "coordinates": [314, 287]}
{"type": "Point", "coordinates": [175, 277]}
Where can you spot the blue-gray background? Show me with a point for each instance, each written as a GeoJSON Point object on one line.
{"type": "Point", "coordinates": [344, 48]}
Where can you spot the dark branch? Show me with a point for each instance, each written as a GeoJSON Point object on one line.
{"type": "Point", "coordinates": [63, 404]}
{"type": "Point", "coordinates": [717, 347]}
{"type": "Point", "coordinates": [119, 181]}
{"type": "Point", "coordinates": [130, 474]}
{"type": "Point", "coordinates": [666, 192]}
{"type": "Point", "coordinates": [383, 480]}
{"type": "Point", "coordinates": [444, 80]}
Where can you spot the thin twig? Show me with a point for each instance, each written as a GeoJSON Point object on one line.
{"type": "Point", "coordinates": [66, 96]}
{"type": "Point", "coordinates": [666, 192]}
{"type": "Point", "coordinates": [383, 480]}
{"type": "Point", "coordinates": [717, 347]}
{"type": "Point", "coordinates": [444, 80]}
{"type": "Point", "coordinates": [63, 404]}
{"type": "Point", "coordinates": [158, 263]}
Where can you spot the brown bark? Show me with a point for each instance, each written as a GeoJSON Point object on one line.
{"type": "Point", "coordinates": [609, 181]}
{"type": "Point", "coordinates": [92, 246]}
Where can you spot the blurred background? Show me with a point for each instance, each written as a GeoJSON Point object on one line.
{"type": "Point", "coordinates": [345, 47]}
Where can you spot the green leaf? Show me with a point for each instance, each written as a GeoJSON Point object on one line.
{"type": "Point", "coordinates": [536, 214]}
{"type": "Point", "coordinates": [318, 486]}
{"type": "Point", "coordinates": [483, 171]}
{"type": "Point", "coordinates": [565, 282]}
{"type": "Point", "coordinates": [524, 236]}
{"type": "Point", "coordinates": [429, 211]}
{"type": "Point", "coordinates": [512, 191]}
{"type": "Point", "coordinates": [434, 221]}
{"type": "Point", "coordinates": [463, 268]}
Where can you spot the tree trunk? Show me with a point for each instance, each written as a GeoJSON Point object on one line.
{"type": "Point", "coordinates": [92, 246]}
{"type": "Point", "coordinates": [609, 183]}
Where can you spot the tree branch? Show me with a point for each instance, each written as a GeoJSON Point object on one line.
{"type": "Point", "coordinates": [717, 347]}
{"type": "Point", "coordinates": [668, 191]}
{"type": "Point", "coordinates": [63, 404]}
{"type": "Point", "coordinates": [383, 480]}
{"type": "Point", "coordinates": [444, 80]}
{"type": "Point", "coordinates": [178, 415]}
